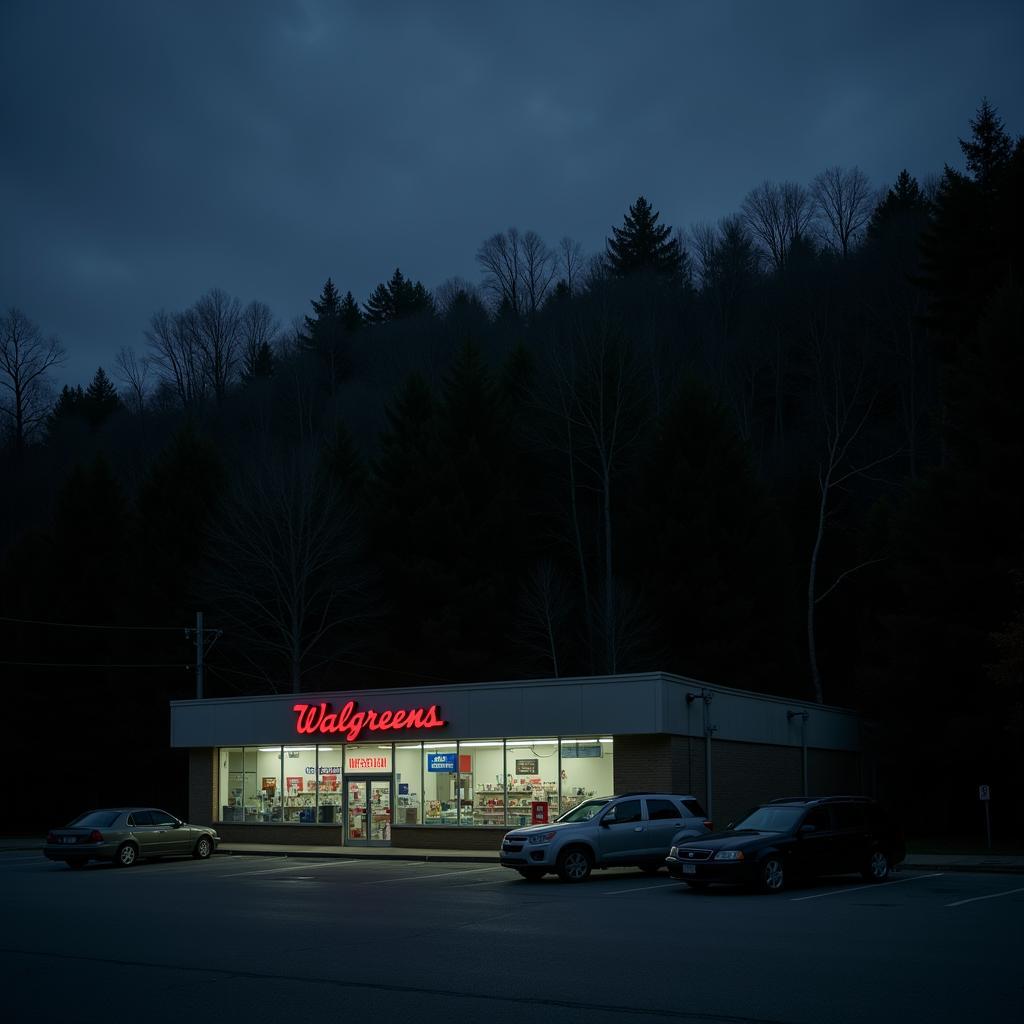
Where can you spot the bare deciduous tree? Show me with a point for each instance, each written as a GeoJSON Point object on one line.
{"type": "Point", "coordinates": [518, 270]}
{"type": "Point", "coordinates": [26, 358]}
{"type": "Point", "coordinates": [501, 256]}
{"type": "Point", "coordinates": [177, 357]}
{"type": "Point", "coordinates": [539, 267]}
{"type": "Point", "coordinates": [283, 569]}
{"type": "Point", "coordinates": [777, 215]}
{"type": "Point", "coordinates": [843, 201]}
{"type": "Point", "coordinates": [570, 263]}
{"type": "Point", "coordinates": [543, 610]}
{"type": "Point", "coordinates": [259, 331]}
{"type": "Point", "coordinates": [845, 407]}
{"type": "Point", "coordinates": [218, 327]}
{"type": "Point", "coordinates": [133, 373]}
{"type": "Point", "coordinates": [603, 400]}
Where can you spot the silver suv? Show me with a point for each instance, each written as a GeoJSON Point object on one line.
{"type": "Point", "coordinates": [633, 829]}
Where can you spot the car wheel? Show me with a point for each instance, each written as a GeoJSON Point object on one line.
{"type": "Point", "coordinates": [574, 865]}
{"type": "Point", "coordinates": [203, 848]}
{"type": "Point", "coordinates": [771, 875]}
{"type": "Point", "coordinates": [877, 869]}
{"type": "Point", "coordinates": [531, 874]}
{"type": "Point", "coordinates": [699, 886]}
{"type": "Point", "coordinates": [76, 865]}
{"type": "Point", "coordinates": [127, 856]}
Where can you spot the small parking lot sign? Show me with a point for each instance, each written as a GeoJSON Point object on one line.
{"type": "Point", "coordinates": [983, 792]}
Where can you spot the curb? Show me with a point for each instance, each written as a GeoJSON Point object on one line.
{"type": "Point", "coordinates": [977, 869]}
{"type": "Point", "coordinates": [458, 858]}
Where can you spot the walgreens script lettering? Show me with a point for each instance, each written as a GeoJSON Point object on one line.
{"type": "Point", "coordinates": [319, 718]}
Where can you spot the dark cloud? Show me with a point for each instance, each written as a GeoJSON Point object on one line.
{"type": "Point", "coordinates": [152, 151]}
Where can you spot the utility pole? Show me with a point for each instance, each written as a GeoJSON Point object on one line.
{"type": "Point", "coordinates": [199, 639]}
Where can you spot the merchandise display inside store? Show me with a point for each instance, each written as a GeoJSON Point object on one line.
{"type": "Point", "coordinates": [368, 786]}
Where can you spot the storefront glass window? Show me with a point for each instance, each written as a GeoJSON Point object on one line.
{"type": "Point", "coordinates": [299, 785]}
{"type": "Point", "coordinates": [586, 770]}
{"type": "Point", "coordinates": [230, 774]}
{"type": "Point", "coordinates": [440, 784]}
{"type": "Point", "coordinates": [408, 783]}
{"type": "Point", "coordinates": [532, 770]}
{"type": "Point", "coordinates": [261, 783]}
{"type": "Point", "coordinates": [482, 773]}
{"type": "Point", "coordinates": [329, 784]}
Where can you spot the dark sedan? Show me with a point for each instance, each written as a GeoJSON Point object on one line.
{"type": "Point", "coordinates": [793, 838]}
{"type": "Point", "coordinates": [123, 835]}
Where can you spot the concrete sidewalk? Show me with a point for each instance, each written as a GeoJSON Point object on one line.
{"type": "Point", "coordinates": [996, 863]}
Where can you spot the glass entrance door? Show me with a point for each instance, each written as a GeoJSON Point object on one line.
{"type": "Point", "coordinates": [368, 811]}
{"type": "Point", "coordinates": [380, 810]}
{"type": "Point", "coordinates": [355, 810]}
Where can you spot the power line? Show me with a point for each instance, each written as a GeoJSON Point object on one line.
{"type": "Point", "coordinates": [82, 625]}
{"type": "Point", "coordinates": [72, 664]}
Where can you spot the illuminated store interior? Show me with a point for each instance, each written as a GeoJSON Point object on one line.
{"type": "Point", "coordinates": [469, 782]}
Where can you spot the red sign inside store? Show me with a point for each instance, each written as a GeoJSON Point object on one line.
{"type": "Point", "coordinates": [319, 718]}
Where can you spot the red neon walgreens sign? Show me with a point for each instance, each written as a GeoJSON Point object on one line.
{"type": "Point", "coordinates": [319, 718]}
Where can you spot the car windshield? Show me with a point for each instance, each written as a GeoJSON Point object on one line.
{"type": "Point", "coordinates": [584, 811]}
{"type": "Point", "coordinates": [95, 819]}
{"type": "Point", "coordinates": [770, 819]}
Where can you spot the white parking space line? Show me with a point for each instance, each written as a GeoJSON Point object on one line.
{"type": "Point", "coordinates": [444, 874]}
{"type": "Point", "coordinates": [646, 888]}
{"type": "Point", "coordinates": [860, 888]}
{"type": "Point", "coordinates": [991, 896]}
{"type": "Point", "coordinates": [294, 867]}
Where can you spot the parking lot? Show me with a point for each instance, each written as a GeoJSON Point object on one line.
{"type": "Point", "coordinates": [278, 938]}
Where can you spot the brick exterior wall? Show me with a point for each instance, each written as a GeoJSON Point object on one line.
{"type": "Point", "coordinates": [432, 837]}
{"type": "Point", "coordinates": [202, 785]}
{"type": "Point", "coordinates": [744, 774]}
{"type": "Point", "coordinates": [666, 764]}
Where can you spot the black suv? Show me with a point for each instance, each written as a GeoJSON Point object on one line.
{"type": "Point", "coordinates": [793, 837]}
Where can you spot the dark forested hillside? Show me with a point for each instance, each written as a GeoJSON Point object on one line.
{"type": "Point", "coordinates": [780, 452]}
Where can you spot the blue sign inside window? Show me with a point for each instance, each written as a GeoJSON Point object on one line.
{"type": "Point", "coordinates": [441, 762]}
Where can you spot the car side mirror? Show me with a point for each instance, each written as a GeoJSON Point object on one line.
{"type": "Point", "coordinates": [606, 821]}
{"type": "Point", "coordinates": [806, 830]}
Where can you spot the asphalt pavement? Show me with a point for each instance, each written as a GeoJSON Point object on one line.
{"type": "Point", "coordinates": [291, 938]}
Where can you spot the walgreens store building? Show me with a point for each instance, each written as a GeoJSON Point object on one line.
{"type": "Point", "coordinates": [457, 766]}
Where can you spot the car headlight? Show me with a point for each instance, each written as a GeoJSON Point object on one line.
{"type": "Point", "coordinates": [729, 855]}
{"type": "Point", "coordinates": [674, 851]}
{"type": "Point", "coordinates": [542, 837]}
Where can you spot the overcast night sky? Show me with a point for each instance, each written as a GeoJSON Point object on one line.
{"type": "Point", "coordinates": [151, 151]}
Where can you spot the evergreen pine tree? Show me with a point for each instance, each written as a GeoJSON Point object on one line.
{"type": "Point", "coordinates": [327, 334]}
{"type": "Point", "coordinates": [904, 204]}
{"type": "Point", "coordinates": [641, 244]}
{"type": "Point", "coordinates": [328, 312]}
{"type": "Point", "coordinates": [397, 299]}
{"type": "Point", "coordinates": [101, 399]}
{"type": "Point", "coordinates": [350, 314]}
{"type": "Point", "coordinates": [988, 150]}
{"type": "Point", "coordinates": [70, 402]}
{"type": "Point", "coordinates": [697, 504]}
